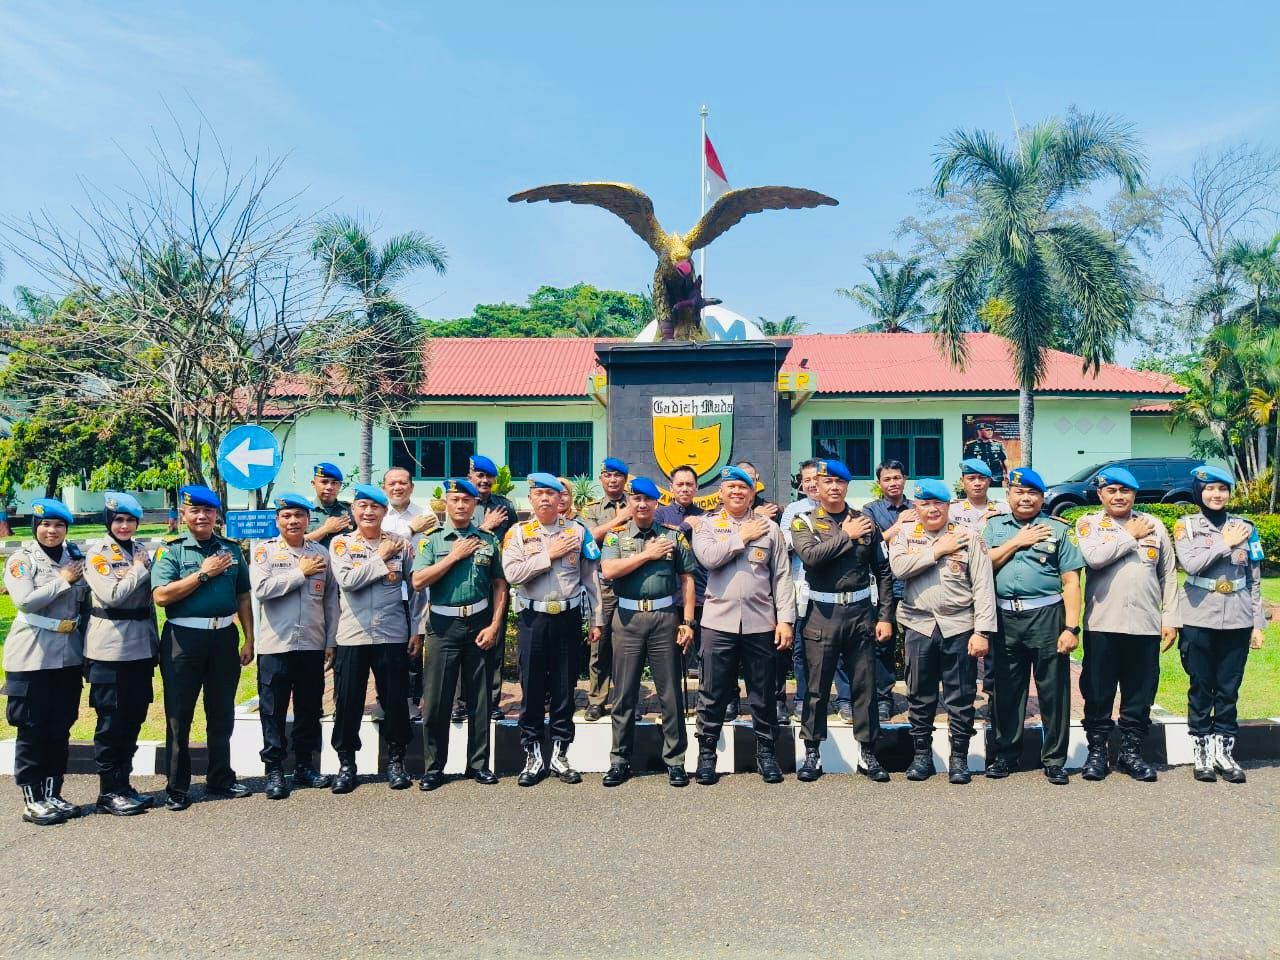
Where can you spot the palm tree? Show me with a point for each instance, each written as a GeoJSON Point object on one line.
{"type": "Point", "coordinates": [1264, 399]}
{"type": "Point", "coordinates": [595, 321]}
{"type": "Point", "coordinates": [1259, 265]}
{"type": "Point", "coordinates": [788, 326]}
{"type": "Point", "coordinates": [377, 341]}
{"type": "Point", "coordinates": [895, 298]}
{"type": "Point", "coordinates": [1034, 270]}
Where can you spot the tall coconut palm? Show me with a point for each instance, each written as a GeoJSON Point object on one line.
{"type": "Point", "coordinates": [895, 298]}
{"type": "Point", "coordinates": [376, 343]}
{"type": "Point", "coordinates": [786, 327]}
{"type": "Point", "coordinates": [1260, 266]}
{"type": "Point", "coordinates": [1040, 269]}
{"type": "Point", "coordinates": [1264, 399]}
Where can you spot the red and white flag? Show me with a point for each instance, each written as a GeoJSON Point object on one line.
{"type": "Point", "coordinates": [715, 183]}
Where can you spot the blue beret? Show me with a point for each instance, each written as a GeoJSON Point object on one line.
{"type": "Point", "coordinates": [932, 490]}
{"type": "Point", "coordinates": [974, 465]}
{"type": "Point", "coordinates": [122, 503]}
{"type": "Point", "coordinates": [292, 501]}
{"type": "Point", "coordinates": [328, 471]}
{"type": "Point", "coordinates": [644, 487]}
{"type": "Point", "coordinates": [737, 473]}
{"type": "Point", "coordinates": [834, 468]}
{"type": "Point", "coordinates": [545, 481]}
{"type": "Point", "coordinates": [198, 496]}
{"type": "Point", "coordinates": [457, 485]}
{"type": "Point", "coordinates": [614, 464]}
{"type": "Point", "coordinates": [1207, 474]}
{"type": "Point", "coordinates": [47, 509]}
{"type": "Point", "coordinates": [367, 491]}
{"type": "Point", "coordinates": [1026, 477]}
{"type": "Point", "coordinates": [481, 464]}
{"type": "Point", "coordinates": [1115, 475]}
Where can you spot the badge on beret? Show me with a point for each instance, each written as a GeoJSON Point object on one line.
{"type": "Point", "coordinates": [38, 509]}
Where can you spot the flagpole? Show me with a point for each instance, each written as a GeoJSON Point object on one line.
{"type": "Point", "coordinates": [702, 189]}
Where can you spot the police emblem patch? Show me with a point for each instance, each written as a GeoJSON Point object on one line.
{"type": "Point", "coordinates": [339, 547]}
{"type": "Point", "coordinates": [1082, 529]}
{"type": "Point", "coordinates": [1151, 553]}
{"type": "Point", "coordinates": [100, 564]}
{"type": "Point", "coordinates": [18, 568]}
{"type": "Point", "coordinates": [757, 555]}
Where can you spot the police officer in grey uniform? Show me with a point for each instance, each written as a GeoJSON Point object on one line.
{"type": "Point", "coordinates": [948, 609]}
{"type": "Point", "coordinates": [1222, 618]}
{"type": "Point", "coordinates": [373, 632]}
{"type": "Point", "coordinates": [1037, 566]}
{"type": "Point", "coordinates": [462, 566]}
{"type": "Point", "coordinates": [43, 655]}
{"type": "Point", "coordinates": [651, 566]}
{"type": "Point", "coordinates": [120, 649]}
{"type": "Point", "coordinates": [552, 563]}
{"type": "Point", "coordinates": [748, 615]}
{"type": "Point", "coordinates": [297, 627]}
{"type": "Point", "coordinates": [202, 581]}
{"type": "Point", "coordinates": [602, 516]}
{"type": "Point", "coordinates": [844, 556]}
{"type": "Point", "coordinates": [1131, 607]}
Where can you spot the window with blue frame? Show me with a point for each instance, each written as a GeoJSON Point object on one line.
{"type": "Point", "coordinates": [849, 441]}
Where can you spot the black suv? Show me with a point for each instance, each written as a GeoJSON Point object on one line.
{"type": "Point", "coordinates": [1161, 480]}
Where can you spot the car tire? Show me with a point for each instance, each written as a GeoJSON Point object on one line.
{"type": "Point", "coordinates": [1061, 506]}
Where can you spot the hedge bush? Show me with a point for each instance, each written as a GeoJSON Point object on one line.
{"type": "Point", "coordinates": [1268, 525]}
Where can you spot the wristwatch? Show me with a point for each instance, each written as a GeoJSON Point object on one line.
{"type": "Point", "coordinates": [1074, 631]}
{"type": "Point", "coordinates": [686, 623]}
{"type": "Point", "coordinates": [202, 577]}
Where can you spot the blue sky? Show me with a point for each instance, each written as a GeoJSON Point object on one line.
{"type": "Point", "coordinates": [428, 115]}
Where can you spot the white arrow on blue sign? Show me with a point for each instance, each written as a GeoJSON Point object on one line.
{"type": "Point", "coordinates": [249, 457]}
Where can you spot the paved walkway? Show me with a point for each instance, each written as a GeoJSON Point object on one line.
{"type": "Point", "coordinates": [838, 868]}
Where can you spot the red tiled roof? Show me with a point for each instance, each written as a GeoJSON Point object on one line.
{"type": "Point", "coordinates": [846, 363]}
{"type": "Point", "coordinates": [909, 363]}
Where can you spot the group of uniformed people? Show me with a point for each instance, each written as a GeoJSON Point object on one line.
{"type": "Point", "coordinates": [378, 586]}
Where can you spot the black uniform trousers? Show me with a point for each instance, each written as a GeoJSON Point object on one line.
{"type": "Point", "coordinates": [933, 659]}
{"type": "Point", "coordinates": [547, 645]}
{"type": "Point", "coordinates": [723, 654]}
{"type": "Point", "coordinates": [1129, 661]}
{"type": "Point", "coordinates": [351, 667]}
{"type": "Point", "coordinates": [43, 704]}
{"type": "Point", "coordinates": [641, 637]}
{"type": "Point", "coordinates": [453, 659]}
{"type": "Point", "coordinates": [300, 674]}
{"type": "Point", "coordinates": [494, 658]}
{"type": "Point", "coordinates": [192, 661]}
{"type": "Point", "coordinates": [886, 657]}
{"type": "Point", "coordinates": [121, 693]}
{"type": "Point", "coordinates": [1027, 642]}
{"type": "Point", "coordinates": [848, 631]}
{"type": "Point", "coordinates": [1214, 661]}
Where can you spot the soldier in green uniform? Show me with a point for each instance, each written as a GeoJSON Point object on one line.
{"type": "Point", "coordinates": [202, 581]}
{"type": "Point", "coordinates": [494, 514]}
{"type": "Point", "coordinates": [467, 611]}
{"type": "Point", "coordinates": [651, 566]}
{"type": "Point", "coordinates": [990, 451]}
{"type": "Point", "coordinates": [604, 516]}
{"type": "Point", "coordinates": [1037, 564]}
{"type": "Point", "coordinates": [330, 516]}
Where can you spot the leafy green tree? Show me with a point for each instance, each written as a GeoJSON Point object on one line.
{"type": "Point", "coordinates": [555, 312]}
{"type": "Point", "coordinates": [1259, 265]}
{"type": "Point", "coordinates": [377, 342]}
{"type": "Point", "coordinates": [896, 297]}
{"type": "Point", "coordinates": [1032, 272]}
{"type": "Point", "coordinates": [785, 327]}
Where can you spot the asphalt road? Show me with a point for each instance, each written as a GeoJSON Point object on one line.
{"type": "Point", "coordinates": [842, 867]}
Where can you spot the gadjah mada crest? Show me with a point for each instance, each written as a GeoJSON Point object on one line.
{"type": "Point", "coordinates": [693, 431]}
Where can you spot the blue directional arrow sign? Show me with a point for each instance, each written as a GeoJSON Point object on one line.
{"type": "Point", "coordinates": [249, 457]}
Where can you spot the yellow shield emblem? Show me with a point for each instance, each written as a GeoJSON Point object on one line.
{"type": "Point", "coordinates": [693, 431]}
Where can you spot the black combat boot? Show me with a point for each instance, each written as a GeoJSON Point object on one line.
{"type": "Point", "coordinates": [113, 798]}
{"type": "Point", "coordinates": [347, 778]}
{"type": "Point", "coordinates": [706, 773]}
{"type": "Point", "coordinates": [1097, 764]}
{"type": "Point", "coordinates": [276, 788]}
{"type": "Point", "coordinates": [1202, 755]}
{"type": "Point", "coordinates": [36, 809]}
{"type": "Point", "coordinates": [869, 764]}
{"type": "Point", "coordinates": [1130, 759]}
{"type": "Point", "coordinates": [958, 765]}
{"type": "Point", "coordinates": [1223, 761]}
{"type": "Point", "coordinates": [533, 768]}
{"type": "Point", "coordinates": [811, 769]}
{"type": "Point", "coordinates": [922, 767]}
{"type": "Point", "coordinates": [306, 775]}
{"type": "Point", "coordinates": [397, 776]}
{"type": "Point", "coordinates": [767, 767]}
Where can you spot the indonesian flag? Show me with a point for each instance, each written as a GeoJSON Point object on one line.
{"type": "Point", "coordinates": [716, 183]}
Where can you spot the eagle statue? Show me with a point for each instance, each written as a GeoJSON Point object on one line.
{"type": "Point", "coordinates": [677, 290]}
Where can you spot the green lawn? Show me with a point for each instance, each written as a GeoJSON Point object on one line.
{"type": "Point", "coordinates": [92, 531]}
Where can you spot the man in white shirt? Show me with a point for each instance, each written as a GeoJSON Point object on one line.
{"type": "Point", "coordinates": [406, 520]}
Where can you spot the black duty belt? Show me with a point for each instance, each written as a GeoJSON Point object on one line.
{"type": "Point", "coordinates": [134, 613]}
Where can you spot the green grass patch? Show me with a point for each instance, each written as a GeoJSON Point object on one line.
{"type": "Point", "coordinates": [94, 531]}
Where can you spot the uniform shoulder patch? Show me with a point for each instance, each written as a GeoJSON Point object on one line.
{"type": "Point", "coordinates": [18, 567]}
{"type": "Point", "coordinates": [819, 512]}
{"type": "Point", "coordinates": [339, 546]}
{"type": "Point", "coordinates": [610, 539]}
{"type": "Point", "coordinates": [1082, 527]}
{"type": "Point", "coordinates": [506, 537]}
{"type": "Point", "coordinates": [1179, 529]}
{"type": "Point", "coordinates": [422, 546]}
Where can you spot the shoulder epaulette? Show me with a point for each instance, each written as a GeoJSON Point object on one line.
{"type": "Point", "coordinates": [174, 537]}
{"type": "Point", "coordinates": [1047, 516]}
{"type": "Point", "coordinates": [529, 526]}
{"type": "Point", "coordinates": [671, 526]}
